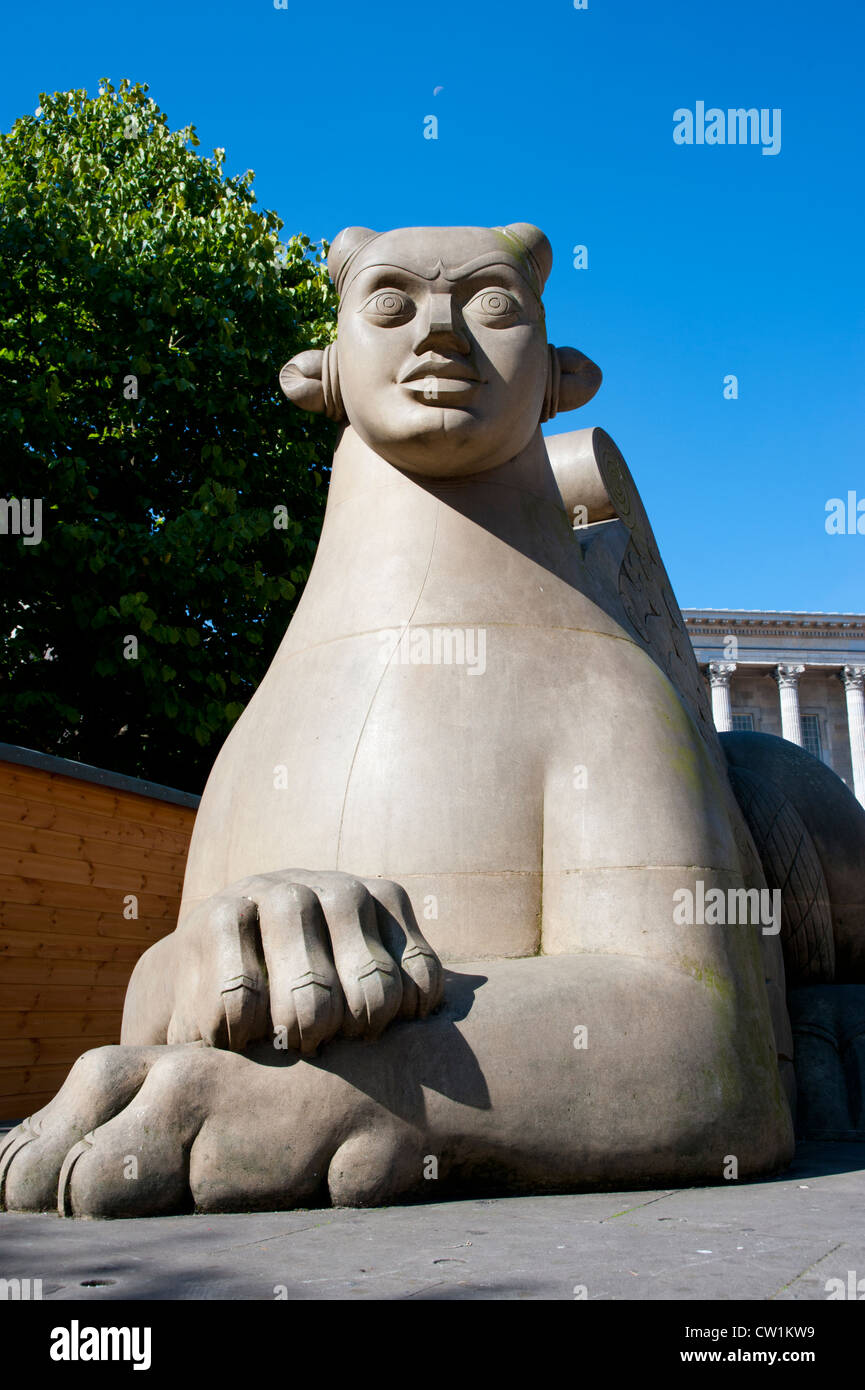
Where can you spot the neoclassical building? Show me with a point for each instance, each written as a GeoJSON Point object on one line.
{"type": "Point", "coordinates": [798, 675]}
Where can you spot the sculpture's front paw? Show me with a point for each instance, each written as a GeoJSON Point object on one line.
{"type": "Point", "coordinates": [301, 956]}
{"type": "Point", "coordinates": [152, 1131]}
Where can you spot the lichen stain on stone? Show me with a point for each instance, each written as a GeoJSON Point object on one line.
{"type": "Point", "coordinates": [705, 975]}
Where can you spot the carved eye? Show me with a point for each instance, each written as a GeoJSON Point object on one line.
{"type": "Point", "coordinates": [389, 304]}
{"type": "Point", "coordinates": [494, 304]}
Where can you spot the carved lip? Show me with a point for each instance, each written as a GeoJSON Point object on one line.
{"type": "Point", "coordinates": [442, 369]}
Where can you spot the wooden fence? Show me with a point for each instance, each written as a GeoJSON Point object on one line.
{"type": "Point", "coordinates": [82, 852]}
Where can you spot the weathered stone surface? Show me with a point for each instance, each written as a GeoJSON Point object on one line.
{"type": "Point", "coordinates": [792, 866]}
{"type": "Point", "coordinates": [835, 824]}
{"type": "Point", "coordinates": [829, 1038]}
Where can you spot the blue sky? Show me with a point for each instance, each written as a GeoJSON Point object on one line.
{"type": "Point", "coordinates": [703, 261]}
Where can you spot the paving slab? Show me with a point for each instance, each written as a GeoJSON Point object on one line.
{"type": "Point", "coordinates": [780, 1239]}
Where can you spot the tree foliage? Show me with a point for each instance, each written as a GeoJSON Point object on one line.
{"type": "Point", "coordinates": [146, 308]}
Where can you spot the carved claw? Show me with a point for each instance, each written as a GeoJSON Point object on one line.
{"type": "Point", "coordinates": [422, 966]}
{"type": "Point", "coordinates": [235, 994]}
{"type": "Point", "coordinates": [64, 1198]}
{"type": "Point", "coordinates": [313, 997]}
{"type": "Point", "coordinates": [25, 1134]}
{"type": "Point", "coordinates": [377, 981]}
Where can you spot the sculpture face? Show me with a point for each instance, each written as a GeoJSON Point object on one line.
{"type": "Point", "coordinates": [442, 349]}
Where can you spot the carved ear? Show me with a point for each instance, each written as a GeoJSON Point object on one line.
{"type": "Point", "coordinates": [537, 245]}
{"type": "Point", "coordinates": [343, 249]}
{"type": "Point", "coordinates": [311, 381]}
{"type": "Point", "coordinates": [579, 379]}
{"type": "Point", "coordinates": [300, 379]}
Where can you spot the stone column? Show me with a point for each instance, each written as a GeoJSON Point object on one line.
{"type": "Point", "coordinates": [720, 673]}
{"type": "Point", "coordinates": [788, 687]}
{"type": "Point", "coordinates": [854, 686]}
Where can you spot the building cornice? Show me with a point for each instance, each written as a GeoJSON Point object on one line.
{"type": "Point", "coordinates": [709, 622]}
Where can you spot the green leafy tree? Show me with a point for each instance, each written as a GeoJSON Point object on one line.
{"type": "Point", "coordinates": [146, 309]}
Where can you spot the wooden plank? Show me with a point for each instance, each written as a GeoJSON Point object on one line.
{"type": "Point", "coordinates": [15, 1081]}
{"type": "Point", "coordinates": [47, 997]}
{"type": "Point", "coordinates": [59, 846]}
{"type": "Point", "coordinates": [36, 1023]}
{"type": "Point", "coordinates": [35, 919]}
{"type": "Point", "coordinates": [14, 888]}
{"type": "Point", "coordinates": [70, 853]}
{"type": "Point", "coordinates": [79, 871]}
{"type": "Point", "coordinates": [18, 1107]}
{"type": "Point", "coordinates": [80, 973]}
{"type": "Point", "coordinates": [30, 1052]}
{"type": "Point", "coordinates": [44, 815]}
{"type": "Point", "coordinates": [45, 946]}
{"type": "Point", "coordinates": [34, 784]}
{"type": "Point", "coordinates": [71, 791]}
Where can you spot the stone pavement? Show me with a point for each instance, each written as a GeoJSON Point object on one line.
{"type": "Point", "coordinates": [780, 1239]}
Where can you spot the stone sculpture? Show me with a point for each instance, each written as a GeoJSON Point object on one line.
{"type": "Point", "coordinates": [485, 746]}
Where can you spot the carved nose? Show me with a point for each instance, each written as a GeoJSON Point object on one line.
{"type": "Point", "coordinates": [439, 327]}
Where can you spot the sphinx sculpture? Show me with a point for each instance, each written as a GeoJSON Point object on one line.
{"type": "Point", "coordinates": [485, 746]}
